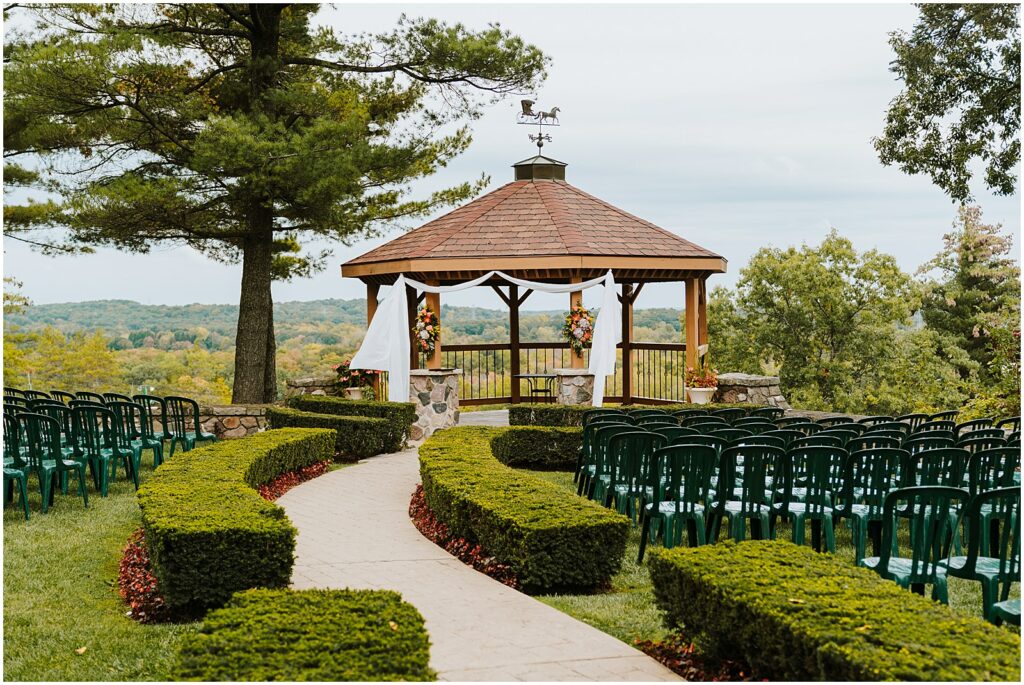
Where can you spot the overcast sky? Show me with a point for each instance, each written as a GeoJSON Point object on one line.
{"type": "Point", "coordinates": [735, 126]}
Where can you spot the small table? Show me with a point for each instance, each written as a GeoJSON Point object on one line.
{"type": "Point", "coordinates": [547, 389]}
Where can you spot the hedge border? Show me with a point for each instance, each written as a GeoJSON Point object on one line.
{"type": "Point", "coordinates": [310, 635]}
{"type": "Point", "coordinates": [400, 415]}
{"type": "Point", "coordinates": [538, 448]}
{"type": "Point", "coordinates": [551, 539]}
{"type": "Point", "coordinates": [572, 415]}
{"type": "Point", "coordinates": [794, 614]}
{"type": "Point", "coordinates": [356, 437]}
{"type": "Point", "coordinates": [209, 532]}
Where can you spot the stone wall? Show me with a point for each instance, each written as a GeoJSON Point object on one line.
{"type": "Point", "coordinates": [234, 420]}
{"type": "Point", "coordinates": [436, 396]}
{"type": "Point", "coordinates": [574, 387]}
{"type": "Point", "coordinates": [747, 388]}
{"type": "Point", "coordinates": [313, 385]}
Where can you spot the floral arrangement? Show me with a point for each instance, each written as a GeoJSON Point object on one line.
{"type": "Point", "coordinates": [703, 376]}
{"type": "Point", "coordinates": [353, 378]}
{"type": "Point", "coordinates": [427, 330]}
{"type": "Point", "coordinates": [578, 330]}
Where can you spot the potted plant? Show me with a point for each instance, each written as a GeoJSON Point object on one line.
{"type": "Point", "coordinates": [702, 382]}
{"type": "Point", "coordinates": [354, 381]}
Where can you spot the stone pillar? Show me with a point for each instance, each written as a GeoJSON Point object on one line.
{"type": "Point", "coordinates": [435, 392]}
{"type": "Point", "coordinates": [750, 389]}
{"type": "Point", "coordinates": [574, 386]}
{"type": "Point", "coordinates": [233, 420]}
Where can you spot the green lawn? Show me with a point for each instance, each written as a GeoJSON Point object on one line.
{"type": "Point", "coordinates": [627, 611]}
{"type": "Point", "coordinates": [60, 593]}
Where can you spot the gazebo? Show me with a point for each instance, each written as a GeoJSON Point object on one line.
{"type": "Point", "coordinates": [541, 228]}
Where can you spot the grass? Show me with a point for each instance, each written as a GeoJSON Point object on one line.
{"type": "Point", "coordinates": [60, 593]}
{"type": "Point", "coordinates": [627, 612]}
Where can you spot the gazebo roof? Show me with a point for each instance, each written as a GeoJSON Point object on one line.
{"type": "Point", "coordinates": [539, 227]}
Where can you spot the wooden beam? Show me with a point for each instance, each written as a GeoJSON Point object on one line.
{"type": "Point", "coordinates": [526, 294]}
{"type": "Point", "coordinates": [702, 313]}
{"type": "Point", "coordinates": [372, 291]}
{"type": "Point", "coordinates": [434, 303]}
{"type": "Point", "coordinates": [513, 339]}
{"type": "Point", "coordinates": [411, 300]}
{"type": "Point", "coordinates": [692, 325]}
{"type": "Point", "coordinates": [627, 340]}
{"type": "Point", "coordinates": [504, 298]}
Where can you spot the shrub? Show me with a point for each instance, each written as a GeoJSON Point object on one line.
{"type": "Point", "coordinates": [541, 449]}
{"type": "Point", "coordinates": [356, 437]}
{"type": "Point", "coordinates": [794, 614]}
{"type": "Point", "coordinates": [400, 415]}
{"type": "Point", "coordinates": [552, 540]}
{"type": "Point", "coordinates": [209, 532]}
{"type": "Point", "coordinates": [567, 415]}
{"type": "Point", "coordinates": [318, 635]}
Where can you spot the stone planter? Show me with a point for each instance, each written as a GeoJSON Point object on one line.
{"type": "Point", "coordinates": [354, 393]}
{"type": "Point", "coordinates": [574, 387]}
{"type": "Point", "coordinates": [701, 395]}
{"type": "Point", "coordinates": [436, 396]}
{"type": "Point", "coordinates": [751, 389]}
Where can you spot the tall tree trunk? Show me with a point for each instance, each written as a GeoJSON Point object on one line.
{"type": "Point", "coordinates": [255, 364]}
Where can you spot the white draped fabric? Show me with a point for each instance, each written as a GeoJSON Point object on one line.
{"type": "Point", "coordinates": [386, 345]}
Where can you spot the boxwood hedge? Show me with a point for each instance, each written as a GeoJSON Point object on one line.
{"type": "Point", "coordinates": [794, 614]}
{"type": "Point", "coordinates": [308, 635]}
{"type": "Point", "coordinates": [552, 540]}
{"type": "Point", "coordinates": [399, 415]}
{"type": "Point", "coordinates": [566, 415]}
{"type": "Point", "coordinates": [356, 437]}
{"type": "Point", "coordinates": [209, 532]}
{"type": "Point", "coordinates": [538, 448]}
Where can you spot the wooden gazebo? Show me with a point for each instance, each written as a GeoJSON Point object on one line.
{"type": "Point", "coordinates": [541, 228]}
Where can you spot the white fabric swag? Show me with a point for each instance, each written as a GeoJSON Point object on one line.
{"type": "Point", "coordinates": [386, 345]}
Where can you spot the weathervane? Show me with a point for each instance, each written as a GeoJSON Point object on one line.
{"type": "Point", "coordinates": [540, 119]}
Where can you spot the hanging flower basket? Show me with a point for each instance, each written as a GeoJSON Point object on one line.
{"type": "Point", "coordinates": [427, 330]}
{"type": "Point", "coordinates": [578, 330]}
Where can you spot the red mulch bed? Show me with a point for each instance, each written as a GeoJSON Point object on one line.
{"type": "Point", "coordinates": [135, 579]}
{"type": "Point", "coordinates": [469, 553]}
{"type": "Point", "coordinates": [678, 653]}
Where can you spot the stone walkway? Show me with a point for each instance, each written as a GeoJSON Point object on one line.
{"type": "Point", "coordinates": [354, 531]}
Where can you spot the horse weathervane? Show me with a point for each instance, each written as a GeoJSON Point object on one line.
{"type": "Point", "coordinates": [538, 118]}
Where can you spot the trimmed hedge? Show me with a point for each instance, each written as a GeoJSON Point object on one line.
{"type": "Point", "coordinates": [538, 448]}
{"type": "Point", "coordinates": [308, 635]}
{"type": "Point", "coordinates": [209, 533]}
{"type": "Point", "coordinates": [356, 437]}
{"type": "Point", "coordinates": [794, 614]}
{"type": "Point", "coordinates": [399, 415]}
{"type": "Point", "coordinates": [572, 416]}
{"type": "Point", "coordinates": [550, 539]}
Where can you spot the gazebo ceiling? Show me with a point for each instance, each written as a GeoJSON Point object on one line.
{"type": "Point", "coordinates": [541, 228]}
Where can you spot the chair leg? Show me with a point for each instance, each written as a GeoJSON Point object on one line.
{"type": "Point", "coordinates": [82, 490]}
{"type": "Point", "coordinates": [989, 596]}
{"type": "Point", "coordinates": [939, 590]}
{"type": "Point", "coordinates": [644, 530]}
{"type": "Point", "coordinates": [23, 492]}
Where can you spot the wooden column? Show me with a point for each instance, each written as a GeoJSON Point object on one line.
{"type": "Point", "coordinates": [513, 341]}
{"type": "Point", "coordinates": [434, 303]}
{"type": "Point", "coordinates": [372, 291]}
{"type": "Point", "coordinates": [692, 325]}
{"type": "Point", "coordinates": [576, 299]}
{"type": "Point", "coordinates": [411, 302]}
{"type": "Point", "coordinates": [627, 339]}
{"type": "Point", "coordinates": [702, 313]}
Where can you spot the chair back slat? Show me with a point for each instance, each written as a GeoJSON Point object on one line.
{"type": "Point", "coordinates": [933, 513]}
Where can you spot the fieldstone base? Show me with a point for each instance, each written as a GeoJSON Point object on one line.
{"type": "Point", "coordinates": [234, 420]}
{"type": "Point", "coordinates": [436, 396]}
{"type": "Point", "coordinates": [746, 388]}
{"type": "Point", "coordinates": [313, 385]}
{"type": "Point", "coordinates": [574, 387]}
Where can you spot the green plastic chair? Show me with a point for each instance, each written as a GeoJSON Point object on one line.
{"type": "Point", "coordinates": [949, 415]}
{"type": "Point", "coordinates": [770, 413]}
{"type": "Point", "coordinates": [784, 434]}
{"type": "Point", "coordinates": [754, 425]}
{"type": "Point", "coordinates": [1013, 439]}
{"type": "Point", "coordinates": [889, 426]}
{"type": "Point", "coordinates": [927, 442]}
{"type": "Point", "coordinates": [930, 425]}
{"type": "Point", "coordinates": [845, 435]}
{"type": "Point", "coordinates": [730, 414]}
{"type": "Point", "coordinates": [62, 396]}
{"type": "Point", "coordinates": [913, 420]}
{"type": "Point", "coordinates": [95, 443]}
{"type": "Point", "coordinates": [872, 420]}
{"type": "Point", "coordinates": [835, 421]}
{"type": "Point", "coordinates": [126, 426]}
{"type": "Point", "coordinates": [973, 445]}
{"type": "Point", "coordinates": [43, 438]}
{"type": "Point", "coordinates": [599, 468]}
{"type": "Point", "coordinates": [1008, 611]}
{"type": "Point", "coordinates": [945, 466]}
{"type": "Point", "coordinates": [680, 485]}
{"type": "Point", "coordinates": [36, 395]}
{"type": "Point", "coordinates": [1011, 424]}
{"type": "Point", "coordinates": [703, 422]}
{"type": "Point", "coordinates": [731, 435]}
{"type": "Point", "coordinates": [867, 479]}
{"type": "Point", "coordinates": [822, 439]}
{"type": "Point", "coordinates": [585, 461]}
{"type": "Point", "coordinates": [641, 413]}
{"type": "Point", "coordinates": [630, 463]}
{"type": "Point", "coordinates": [991, 572]}
{"type": "Point", "coordinates": [13, 392]}
{"type": "Point", "coordinates": [183, 418]}
{"type": "Point", "coordinates": [686, 413]}
{"type": "Point", "coordinates": [967, 427]}
{"type": "Point", "coordinates": [761, 439]}
{"type": "Point", "coordinates": [674, 434]}
{"type": "Point", "coordinates": [804, 480]}
{"type": "Point", "coordinates": [982, 434]}
{"type": "Point", "coordinates": [89, 396]}
{"type": "Point", "coordinates": [991, 470]}
{"type": "Point", "coordinates": [14, 477]}
{"type": "Point", "coordinates": [933, 508]}
{"type": "Point", "coordinates": [872, 441]}
{"type": "Point", "coordinates": [753, 503]}
{"type": "Point", "coordinates": [589, 414]}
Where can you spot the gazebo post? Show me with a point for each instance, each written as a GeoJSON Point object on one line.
{"type": "Point", "coordinates": [412, 299]}
{"type": "Point", "coordinates": [627, 339]}
{"type": "Point", "coordinates": [576, 299]}
{"type": "Point", "coordinates": [372, 291]}
{"type": "Point", "coordinates": [692, 320]}
{"type": "Point", "coordinates": [434, 303]}
{"type": "Point", "coordinates": [702, 313]}
{"type": "Point", "coordinates": [513, 340]}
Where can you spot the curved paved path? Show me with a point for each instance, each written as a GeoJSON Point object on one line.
{"type": "Point", "coordinates": [354, 531]}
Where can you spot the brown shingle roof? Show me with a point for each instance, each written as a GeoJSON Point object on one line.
{"type": "Point", "coordinates": [535, 218]}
